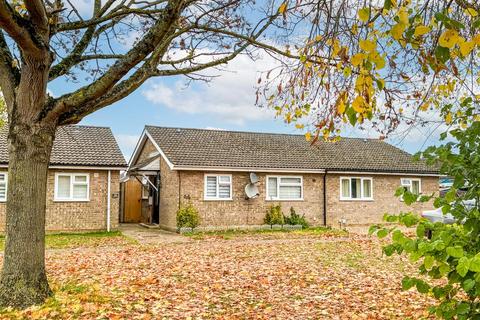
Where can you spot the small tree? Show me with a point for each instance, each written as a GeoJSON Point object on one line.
{"type": "Point", "coordinates": [187, 217]}
{"type": "Point", "coordinates": [452, 252]}
{"type": "Point", "coordinates": [274, 215]}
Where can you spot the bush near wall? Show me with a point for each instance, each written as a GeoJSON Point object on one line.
{"type": "Point", "coordinates": [188, 217]}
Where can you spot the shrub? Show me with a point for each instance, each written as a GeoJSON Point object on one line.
{"type": "Point", "coordinates": [450, 252]}
{"type": "Point", "coordinates": [274, 215]}
{"type": "Point", "coordinates": [188, 217]}
{"type": "Point", "coordinates": [295, 219]}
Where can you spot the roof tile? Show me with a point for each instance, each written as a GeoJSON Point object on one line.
{"type": "Point", "coordinates": [220, 149]}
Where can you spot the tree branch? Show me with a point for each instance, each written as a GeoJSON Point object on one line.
{"type": "Point", "coordinates": [152, 41]}
{"type": "Point", "coordinates": [9, 75]}
{"type": "Point", "coordinates": [74, 57]}
{"type": "Point", "coordinates": [19, 29]}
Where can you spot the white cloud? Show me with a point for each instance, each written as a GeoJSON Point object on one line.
{"type": "Point", "coordinates": [230, 97]}
{"type": "Point", "coordinates": [127, 144]}
{"type": "Point", "coordinates": [214, 128]}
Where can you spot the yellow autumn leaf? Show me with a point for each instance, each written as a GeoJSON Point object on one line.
{"type": "Point", "coordinates": [364, 14]}
{"type": "Point", "coordinates": [283, 8]}
{"type": "Point", "coordinates": [397, 31]}
{"type": "Point", "coordinates": [367, 45]}
{"type": "Point", "coordinates": [378, 60]}
{"type": "Point", "coordinates": [308, 136]}
{"type": "Point", "coordinates": [471, 12]}
{"type": "Point", "coordinates": [403, 15]}
{"type": "Point", "coordinates": [448, 118]}
{"type": "Point", "coordinates": [476, 39]}
{"type": "Point", "coordinates": [357, 59]}
{"type": "Point", "coordinates": [341, 107]}
{"type": "Point", "coordinates": [358, 104]}
{"type": "Point", "coordinates": [466, 47]}
{"type": "Point", "coordinates": [448, 39]}
{"type": "Point", "coordinates": [318, 38]}
{"type": "Point", "coordinates": [299, 126]}
{"type": "Point", "coordinates": [421, 30]}
{"type": "Point", "coordinates": [424, 107]}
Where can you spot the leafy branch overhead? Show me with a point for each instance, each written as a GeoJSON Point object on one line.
{"type": "Point", "coordinates": [383, 64]}
{"type": "Point", "coordinates": [114, 48]}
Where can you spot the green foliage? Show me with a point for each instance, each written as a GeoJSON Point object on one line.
{"type": "Point", "coordinates": [295, 219]}
{"type": "Point", "coordinates": [187, 217]}
{"type": "Point", "coordinates": [452, 252]}
{"type": "Point", "coordinates": [274, 215]}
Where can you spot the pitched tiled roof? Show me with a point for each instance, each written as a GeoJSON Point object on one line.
{"type": "Point", "coordinates": [233, 149]}
{"type": "Point", "coordinates": [78, 146]}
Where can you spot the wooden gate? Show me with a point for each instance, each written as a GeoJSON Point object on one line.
{"type": "Point", "coordinates": [133, 201]}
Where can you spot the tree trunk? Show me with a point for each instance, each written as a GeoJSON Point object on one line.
{"type": "Point", "coordinates": [24, 281]}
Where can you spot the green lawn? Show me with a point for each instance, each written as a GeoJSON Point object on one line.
{"type": "Point", "coordinates": [71, 240]}
{"type": "Point", "coordinates": [232, 234]}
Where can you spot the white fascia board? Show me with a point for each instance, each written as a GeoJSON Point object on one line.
{"type": "Point", "coordinates": [389, 173]}
{"type": "Point", "coordinates": [137, 148]}
{"type": "Point", "coordinates": [213, 169]}
{"type": "Point", "coordinates": [170, 164]}
{"type": "Point", "coordinates": [78, 167]}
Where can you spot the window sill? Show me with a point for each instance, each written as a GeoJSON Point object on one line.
{"type": "Point", "coordinates": [357, 200]}
{"type": "Point", "coordinates": [71, 200]}
{"type": "Point", "coordinates": [277, 200]}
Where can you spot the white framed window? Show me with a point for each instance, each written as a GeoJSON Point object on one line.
{"type": "Point", "coordinates": [3, 186]}
{"type": "Point", "coordinates": [72, 187]}
{"type": "Point", "coordinates": [356, 188]}
{"type": "Point", "coordinates": [288, 188]}
{"type": "Point", "coordinates": [218, 187]}
{"type": "Point", "coordinates": [414, 185]}
{"type": "Point", "coordinates": [145, 192]}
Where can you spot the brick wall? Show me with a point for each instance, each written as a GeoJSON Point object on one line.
{"type": "Point", "coordinates": [368, 212]}
{"type": "Point", "coordinates": [80, 216]}
{"type": "Point", "coordinates": [240, 211]}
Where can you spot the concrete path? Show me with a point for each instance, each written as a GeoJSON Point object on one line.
{"type": "Point", "coordinates": [150, 235]}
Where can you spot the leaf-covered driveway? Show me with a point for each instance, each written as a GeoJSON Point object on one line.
{"type": "Point", "coordinates": [252, 277]}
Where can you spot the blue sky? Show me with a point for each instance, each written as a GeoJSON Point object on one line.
{"type": "Point", "coordinates": [227, 102]}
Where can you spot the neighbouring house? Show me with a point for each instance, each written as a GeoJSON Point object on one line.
{"type": "Point", "coordinates": [83, 179]}
{"type": "Point", "coordinates": [353, 180]}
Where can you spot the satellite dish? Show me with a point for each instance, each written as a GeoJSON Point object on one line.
{"type": "Point", "coordinates": [253, 177]}
{"type": "Point", "coordinates": [251, 190]}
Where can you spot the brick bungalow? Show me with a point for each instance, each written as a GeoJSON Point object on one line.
{"type": "Point", "coordinates": [353, 180]}
{"type": "Point", "coordinates": [83, 180]}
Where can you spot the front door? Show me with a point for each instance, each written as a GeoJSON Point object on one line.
{"type": "Point", "coordinates": [133, 201]}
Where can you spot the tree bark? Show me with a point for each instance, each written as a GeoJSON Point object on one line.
{"type": "Point", "coordinates": [23, 280]}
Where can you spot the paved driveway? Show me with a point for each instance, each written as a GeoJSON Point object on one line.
{"type": "Point", "coordinates": [150, 235]}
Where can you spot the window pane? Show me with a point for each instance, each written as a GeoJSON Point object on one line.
{"type": "Point", "coordinates": [224, 191]}
{"type": "Point", "coordinates": [290, 192]}
{"type": "Point", "coordinates": [63, 188]}
{"type": "Point", "coordinates": [80, 191]}
{"type": "Point", "coordinates": [211, 187]}
{"type": "Point", "coordinates": [2, 177]}
{"type": "Point", "coordinates": [3, 191]}
{"type": "Point", "coordinates": [224, 178]}
{"type": "Point", "coordinates": [415, 186]}
{"type": "Point", "coordinates": [290, 180]}
{"type": "Point", "coordinates": [80, 178]}
{"type": "Point", "coordinates": [356, 189]}
{"type": "Point", "coordinates": [405, 182]}
{"type": "Point", "coordinates": [367, 188]}
{"type": "Point", "coordinates": [272, 187]}
{"type": "Point", "coordinates": [345, 188]}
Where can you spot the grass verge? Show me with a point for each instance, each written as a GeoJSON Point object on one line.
{"type": "Point", "coordinates": [72, 240]}
{"type": "Point", "coordinates": [234, 233]}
